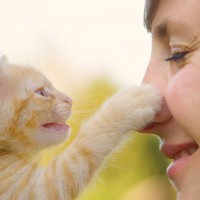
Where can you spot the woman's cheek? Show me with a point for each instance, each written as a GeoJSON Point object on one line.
{"type": "Point", "coordinates": [178, 94]}
{"type": "Point", "coordinates": [183, 97]}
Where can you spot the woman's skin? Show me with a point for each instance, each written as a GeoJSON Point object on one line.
{"type": "Point", "coordinates": [174, 69]}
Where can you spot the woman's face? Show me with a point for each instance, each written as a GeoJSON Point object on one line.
{"type": "Point", "coordinates": [174, 69]}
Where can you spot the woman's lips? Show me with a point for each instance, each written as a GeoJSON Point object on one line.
{"type": "Point", "coordinates": [172, 151]}
{"type": "Point", "coordinates": [181, 155]}
{"type": "Point", "coordinates": [186, 152]}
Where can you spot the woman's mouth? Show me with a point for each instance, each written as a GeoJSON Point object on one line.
{"type": "Point", "coordinates": [180, 154]}
{"type": "Point", "coordinates": [186, 152]}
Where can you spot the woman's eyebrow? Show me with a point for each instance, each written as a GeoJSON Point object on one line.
{"type": "Point", "coordinates": [160, 30]}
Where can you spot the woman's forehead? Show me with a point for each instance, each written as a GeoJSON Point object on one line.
{"type": "Point", "coordinates": [176, 12]}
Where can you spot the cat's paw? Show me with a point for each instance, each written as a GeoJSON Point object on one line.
{"type": "Point", "coordinates": [146, 104]}
{"type": "Point", "coordinates": [136, 106]}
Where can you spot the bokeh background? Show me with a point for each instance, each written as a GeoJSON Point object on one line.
{"type": "Point", "coordinates": [90, 49]}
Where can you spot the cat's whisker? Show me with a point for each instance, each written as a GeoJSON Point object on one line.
{"type": "Point", "coordinates": [72, 122]}
{"type": "Point", "coordinates": [83, 112]}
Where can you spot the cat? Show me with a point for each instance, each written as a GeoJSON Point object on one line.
{"type": "Point", "coordinates": [33, 117]}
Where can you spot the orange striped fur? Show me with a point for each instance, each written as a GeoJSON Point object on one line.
{"type": "Point", "coordinates": [33, 116]}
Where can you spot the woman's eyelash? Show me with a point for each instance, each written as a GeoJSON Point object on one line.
{"type": "Point", "coordinates": [176, 56]}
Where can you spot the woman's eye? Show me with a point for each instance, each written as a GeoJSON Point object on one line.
{"type": "Point", "coordinates": [41, 92]}
{"type": "Point", "coordinates": [176, 56]}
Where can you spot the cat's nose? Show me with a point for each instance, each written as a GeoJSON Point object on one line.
{"type": "Point", "coordinates": [67, 100]}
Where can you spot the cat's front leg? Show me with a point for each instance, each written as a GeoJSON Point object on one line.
{"type": "Point", "coordinates": [132, 108]}
{"type": "Point", "coordinates": [101, 134]}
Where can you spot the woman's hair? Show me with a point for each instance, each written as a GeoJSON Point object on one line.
{"type": "Point", "coordinates": [149, 13]}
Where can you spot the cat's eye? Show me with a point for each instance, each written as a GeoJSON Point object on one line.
{"type": "Point", "coordinates": [41, 92]}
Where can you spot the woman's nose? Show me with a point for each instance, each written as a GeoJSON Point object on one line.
{"type": "Point", "coordinates": [155, 79]}
{"type": "Point", "coordinates": [164, 115]}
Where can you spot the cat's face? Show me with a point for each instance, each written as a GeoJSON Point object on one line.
{"type": "Point", "coordinates": [32, 110]}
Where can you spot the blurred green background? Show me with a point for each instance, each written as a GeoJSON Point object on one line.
{"type": "Point", "coordinates": [137, 171]}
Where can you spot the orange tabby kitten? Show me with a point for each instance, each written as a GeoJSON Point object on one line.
{"type": "Point", "coordinates": [33, 116]}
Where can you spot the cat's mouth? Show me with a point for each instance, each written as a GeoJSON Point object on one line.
{"type": "Point", "coordinates": [55, 127]}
